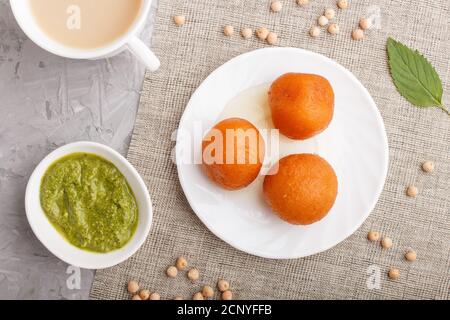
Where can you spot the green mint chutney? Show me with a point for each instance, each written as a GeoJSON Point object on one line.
{"type": "Point", "coordinates": [89, 201]}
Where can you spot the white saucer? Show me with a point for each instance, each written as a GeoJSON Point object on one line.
{"type": "Point", "coordinates": [355, 144]}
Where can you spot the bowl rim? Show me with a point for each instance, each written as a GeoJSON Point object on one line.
{"type": "Point", "coordinates": [99, 259]}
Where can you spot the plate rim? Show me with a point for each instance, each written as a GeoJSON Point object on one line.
{"type": "Point", "coordinates": [379, 120]}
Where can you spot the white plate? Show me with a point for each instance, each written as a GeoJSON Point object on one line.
{"type": "Point", "coordinates": [355, 144]}
{"type": "Point", "coordinates": [55, 242]}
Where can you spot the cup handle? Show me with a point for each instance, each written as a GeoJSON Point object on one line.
{"type": "Point", "coordinates": [143, 53]}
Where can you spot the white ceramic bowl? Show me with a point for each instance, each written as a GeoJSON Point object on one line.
{"type": "Point", "coordinates": [55, 242]}
{"type": "Point", "coordinates": [27, 22]}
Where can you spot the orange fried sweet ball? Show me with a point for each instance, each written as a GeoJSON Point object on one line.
{"type": "Point", "coordinates": [303, 190]}
{"type": "Point", "coordinates": [233, 153]}
{"type": "Point", "coordinates": [302, 104]}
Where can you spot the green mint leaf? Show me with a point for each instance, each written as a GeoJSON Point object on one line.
{"type": "Point", "coordinates": [415, 78]}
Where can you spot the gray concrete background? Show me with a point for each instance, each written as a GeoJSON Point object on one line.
{"type": "Point", "coordinates": [45, 102]}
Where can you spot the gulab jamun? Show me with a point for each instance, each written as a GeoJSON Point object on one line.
{"type": "Point", "coordinates": [302, 104]}
{"type": "Point", "coordinates": [233, 153]}
{"type": "Point", "coordinates": [301, 189]}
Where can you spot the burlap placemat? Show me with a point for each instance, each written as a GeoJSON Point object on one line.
{"type": "Point", "coordinates": [189, 53]}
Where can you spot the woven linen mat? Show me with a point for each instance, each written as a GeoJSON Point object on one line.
{"type": "Point", "coordinates": [189, 53]}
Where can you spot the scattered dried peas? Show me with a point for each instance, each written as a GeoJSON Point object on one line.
{"type": "Point", "coordinates": [358, 34]}
{"type": "Point", "coordinates": [322, 21]}
{"type": "Point", "coordinates": [155, 296]}
{"type": "Point", "coordinates": [133, 286]}
{"type": "Point", "coordinates": [179, 20]}
{"type": "Point", "coordinates": [342, 4]}
{"type": "Point", "coordinates": [198, 296]}
{"type": "Point", "coordinates": [223, 285]}
{"type": "Point", "coordinates": [181, 263]}
{"type": "Point", "coordinates": [262, 33]}
{"type": "Point", "coordinates": [411, 255]}
{"type": "Point", "coordinates": [373, 236]}
{"type": "Point", "coordinates": [272, 38]}
{"type": "Point", "coordinates": [329, 13]}
{"type": "Point", "coordinates": [314, 31]}
{"type": "Point", "coordinates": [144, 294]}
{"type": "Point", "coordinates": [428, 166]}
{"type": "Point", "coordinates": [394, 273]}
{"type": "Point", "coordinates": [193, 274]}
{"type": "Point", "coordinates": [365, 24]}
{"type": "Point", "coordinates": [276, 6]}
{"type": "Point", "coordinates": [172, 272]}
{"type": "Point", "coordinates": [208, 291]}
{"type": "Point", "coordinates": [412, 191]}
{"type": "Point", "coordinates": [386, 242]}
{"type": "Point", "coordinates": [333, 28]}
{"type": "Point", "coordinates": [227, 295]}
{"type": "Point", "coordinates": [246, 33]}
{"type": "Point", "coordinates": [228, 31]}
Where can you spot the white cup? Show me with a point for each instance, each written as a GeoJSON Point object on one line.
{"type": "Point", "coordinates": [129, 40]}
